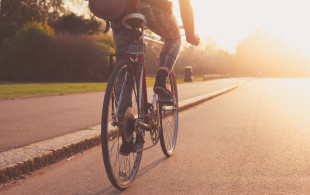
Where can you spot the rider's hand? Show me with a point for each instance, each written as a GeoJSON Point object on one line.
{"type": "Point", "coordinates": [194, 39]}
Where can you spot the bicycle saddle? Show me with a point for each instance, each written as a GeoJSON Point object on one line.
{"type": "Point", "coordinates": [134, 21]}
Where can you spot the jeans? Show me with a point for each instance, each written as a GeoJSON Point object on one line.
{"type": "Point", "coordinates": [160, 22]}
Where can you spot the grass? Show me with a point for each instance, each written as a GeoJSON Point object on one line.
{"type": "Point", "coordinates": [15, 90]}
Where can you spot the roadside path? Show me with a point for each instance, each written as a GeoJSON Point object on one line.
{"type": "Point", "coordinates": [25, 159]}
{"type": "Point", "coordinates": [253, 140]}
{"type": "Point", "coordinates": [30, 120]}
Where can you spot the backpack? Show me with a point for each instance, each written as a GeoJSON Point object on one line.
{"type": "Point", "coordinates": [112, 9]}
{"type": "Point", "coordinates": [165, 5]}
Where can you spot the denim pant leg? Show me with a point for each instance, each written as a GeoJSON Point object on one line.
{"type": "Point", "coordinates": [122, 39]}
{"type": "Point", "coordinates": [162, 23]}
{"type": "Point", "coordinates": [165, 25]}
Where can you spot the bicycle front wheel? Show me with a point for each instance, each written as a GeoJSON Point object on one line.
{"type": "Point", "coordinates": [169, 120]}
{"type": "Point", "coordinates": [121, 94]}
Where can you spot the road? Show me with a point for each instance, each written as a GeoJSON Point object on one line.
{"type": "Point", "coordinates": [30, 120]}
{"type": "Point", "coordinates": [253, 140]}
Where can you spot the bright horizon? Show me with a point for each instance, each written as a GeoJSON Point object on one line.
{"type": "Point", "coordinates": [228, 21]}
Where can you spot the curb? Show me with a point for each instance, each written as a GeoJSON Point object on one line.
{"type": "Point", "coordinates": [14, 163]}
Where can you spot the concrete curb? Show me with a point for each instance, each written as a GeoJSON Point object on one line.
{"type": "Point", "coordinates": [14, 163]}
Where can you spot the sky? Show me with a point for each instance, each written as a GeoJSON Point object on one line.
{"type": "Point", "coordinates": [229, 21]}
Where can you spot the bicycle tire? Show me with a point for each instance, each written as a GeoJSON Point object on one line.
{"type": "Point", "coordinates": [169, 120]}
{"type": "Point", "coordinates": [121, 170]}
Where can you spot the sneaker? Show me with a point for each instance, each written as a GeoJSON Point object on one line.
{"type": "Point", "coordinates": [139, 139]}
{"type": "Point", "coordinates": [160, 85]}
{"type": "Point", "coordinates": [126, 148]}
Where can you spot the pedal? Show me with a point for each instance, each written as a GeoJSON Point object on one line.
{"type": "Point", "coordinates": [169, 102]}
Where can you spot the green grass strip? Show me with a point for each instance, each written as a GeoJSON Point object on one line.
{"type": "Point", "coordinates": [15, 90]}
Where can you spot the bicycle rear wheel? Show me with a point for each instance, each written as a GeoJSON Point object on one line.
{"type": "Point", "coordinates": [169, 120]}
{"type": "Point", "coordinates": [121, 93]}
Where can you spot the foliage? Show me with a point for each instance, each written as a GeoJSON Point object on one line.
{"type": "Point", "coordinates": [74, 24]}
{"type": "Point", "coordinates": [104, 40]}
{"type": "Point", "coordinates": [205, 59]}
{"type": "Point", "coordinates": [78, 58]}
{"type": "Point", "coordinates": [18, 56]}
{"type": "Point", "coordinates": [36, 54]}
{"type": "Point", "coordinates": [260, 54]}
{"type": "Point", "coordinates": [14, 14]}
{"type": "Point", "coordinates": [31, 51]}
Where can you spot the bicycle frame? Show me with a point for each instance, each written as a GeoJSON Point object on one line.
{"type": "Point", "coordinates": [142, 84]}
{"type": "Point", "coordinates": [142, 69]}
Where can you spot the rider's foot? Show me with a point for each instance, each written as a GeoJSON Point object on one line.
{"type": "Point", "coordinates": [139, 139]}
{"type": "Point", "coordinates": [160, 85]}
{"type": "Point", "coordinates": [126, 148]}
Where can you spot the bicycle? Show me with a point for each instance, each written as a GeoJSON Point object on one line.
{"type": "Point", "coordinates": [127, 115]}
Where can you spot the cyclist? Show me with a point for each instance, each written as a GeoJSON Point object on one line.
{"type": "Point", "coordinates": [159, 19]}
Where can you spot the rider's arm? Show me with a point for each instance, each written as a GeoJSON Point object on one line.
{"type": "Point", "coordinates": [187, 16]}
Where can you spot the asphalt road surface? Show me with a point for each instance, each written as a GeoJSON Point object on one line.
{"type": "Point", "coordinates": [30, 120]}
{"type": "Point", "coordinates": [253, 140]}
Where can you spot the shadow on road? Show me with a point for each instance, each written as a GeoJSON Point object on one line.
{"type": "Point", "coordinates": [111, 190]}
{"type": "Point", "coordinates": [150, 166]}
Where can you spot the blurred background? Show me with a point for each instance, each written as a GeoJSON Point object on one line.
{"type": "Point", "coordinates": [60, 41]}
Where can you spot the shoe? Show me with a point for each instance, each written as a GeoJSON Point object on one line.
{"type": "Point", "coordinates": [139, 139]}
{"type": "Point", "coordinates": [160, 85]}
{"type": "Point", "coordinates": [126, 148]}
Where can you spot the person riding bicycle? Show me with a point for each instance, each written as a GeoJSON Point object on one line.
{"type": "Point", "coordinates": [159, 19]}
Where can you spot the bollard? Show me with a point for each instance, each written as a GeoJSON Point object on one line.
{"type": "Point", "coordinates": [188, 74]}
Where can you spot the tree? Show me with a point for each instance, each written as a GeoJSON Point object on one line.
{"type": "Point", "coordinates": [21, 57]}
{"type": "Point", "coordinates": [74, 24]}
{"type": "Point", "coordinates": [16, 13]}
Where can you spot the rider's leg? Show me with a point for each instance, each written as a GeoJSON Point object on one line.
{"type": "Point", "coordinates": [122, 39]}
{"type": "Point", "coordinates": [168, 57]}
{"type": "Point", "coordinates": [164, 24]}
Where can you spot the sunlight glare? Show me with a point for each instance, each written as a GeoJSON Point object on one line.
{"type": "Point", "coordinates": [231, 21]}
